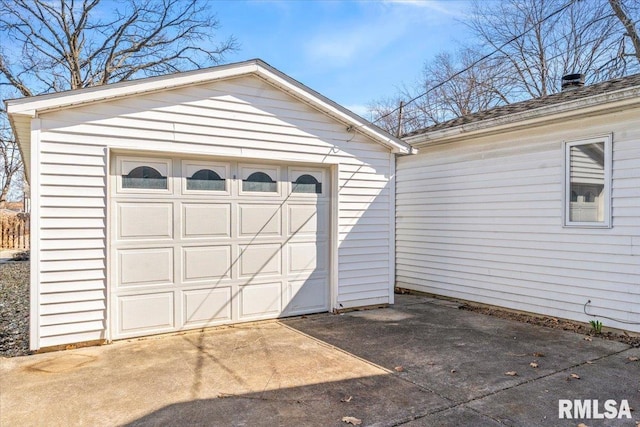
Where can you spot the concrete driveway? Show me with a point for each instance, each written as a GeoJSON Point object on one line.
{"type": "Point", "coordinates": [421, 363]}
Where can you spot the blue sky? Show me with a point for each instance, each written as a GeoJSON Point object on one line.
{"type": "Point", "coordinates": [353, 52]}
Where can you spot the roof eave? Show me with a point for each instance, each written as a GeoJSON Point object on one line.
{"type": "Point", "coordinates": [610, 101]}
{"type": "Point", "coordinates": [353, 121]}
{"type": "Point", "coordinates": [35, 105]}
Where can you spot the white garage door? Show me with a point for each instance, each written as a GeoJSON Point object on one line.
{"type": "Point", "coordinates": [197, 243]}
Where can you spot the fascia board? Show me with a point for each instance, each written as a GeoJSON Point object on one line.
{"type": "Point", "coordinates": [33, 105]}
{"type": "Point", "coordinates": [320, 102]}
{"type": "Point", "coordinates": [607, 102]}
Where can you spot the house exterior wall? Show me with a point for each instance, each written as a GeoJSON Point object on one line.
{"type": "Point", "coordinates": [481, 219]}
{"type": "Point", "coordinates": [238, 118]}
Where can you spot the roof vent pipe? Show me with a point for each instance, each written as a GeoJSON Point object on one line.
{"type": "Point", "coordinates": [572, 81]}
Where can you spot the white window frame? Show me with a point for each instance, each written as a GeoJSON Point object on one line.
{"type": "Point", "coordinates": [246, 169]}
{"type": "Point", "coordinates": [608, 164]}
{"type": "Point", "coordinates": [127, 164]}
{"type": "Point", "coordinates": [222, 169]}
{"type": "Point", "coordinates": [296, 172]}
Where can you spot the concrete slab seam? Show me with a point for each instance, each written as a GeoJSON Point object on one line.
{"type": "Point", "coordinates": [464, 403]}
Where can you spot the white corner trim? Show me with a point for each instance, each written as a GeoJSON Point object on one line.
{"type": "Point", "coordinates": [34, 245]}
{"type": "Point", "coordinates": [334, 278]}
{"type": "Point", "coordinates": [392, 228]}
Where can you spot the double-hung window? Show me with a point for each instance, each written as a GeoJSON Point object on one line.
{"type": "Point", "coordinates": [587, 192]}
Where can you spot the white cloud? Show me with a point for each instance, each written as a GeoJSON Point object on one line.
{"type": "Point", "coordinates": [378, 25]}
{"type": "Point", "coordinates": [343, 43]}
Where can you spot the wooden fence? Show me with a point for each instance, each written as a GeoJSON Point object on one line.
{"type": "Point", "coordinates": [14, 230]}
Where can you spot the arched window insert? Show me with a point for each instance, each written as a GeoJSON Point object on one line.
{"type": "Point", "coordinates": [205, 180]}
{"type": "Point", "coordinates": [307, 184]}
{"type": "Point", "coordinates": [144, 177]}
{"type": "Point", "coordinates": [260, 182]}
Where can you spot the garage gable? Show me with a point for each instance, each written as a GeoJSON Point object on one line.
{"type": "Point", "coordinates": [22, 109]}
{"type": "Point", "coordinates": [112, 261]}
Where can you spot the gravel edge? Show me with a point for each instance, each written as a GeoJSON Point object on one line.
{"type": "Point", "coordinates": [14, 309]}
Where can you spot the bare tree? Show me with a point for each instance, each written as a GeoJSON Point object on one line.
{"type": "Point", "coordinates": [443, 92]}
{"type": "Point", "coordinates": [49, 46]}
{"type": "Point", "coordinates": [630, 27]}
{"type": "Point", "coordinates": [11, 169]}
{"type": "Point", "coordinates": [73, 44]}
{"type": "Point", "coordinates": [523, 49]}
{"type": "Point", "coordinates": [386, 113]}
{"type": "Point", "coordinates": [450, 93]}
{"type": "Point", "coordinates": [541, 40]}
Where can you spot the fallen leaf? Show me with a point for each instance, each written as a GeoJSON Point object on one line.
{"type": "Point", "coordinates": [589, 362]}
{"type": "Point", "coordinates": [575, 376]}
{"type": "Point", "coordinates": [536, 354]}
{"type": "Point", "coordinates": [588, 339]}
{"type": "Point", "coordinates": [633, 358]}
{"type": "Point", "coordinates": [352, 420]}
{"type": "Point", "coordinates": [511, 373]}
{"type": "Point", "coordinates": [399, 369]}
{"type": "Point", "coordinates": [533, 364]}
{"type": "Point", "coordinates": [346, 399]}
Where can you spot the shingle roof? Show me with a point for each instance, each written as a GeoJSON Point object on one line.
{"type": "Point", "coordinates": [532, 104]}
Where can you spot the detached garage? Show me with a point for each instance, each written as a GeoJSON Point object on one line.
{"type": "Point", "coordinates": [210, 197]}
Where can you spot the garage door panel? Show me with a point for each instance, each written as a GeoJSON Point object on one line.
{"type": "Point", "coordinates": [146, 313]}
{"type": "Point", "coordinates": [260, 220]}
{"type": "Point", "coordinates": [206, 262]}
{"type": "Point", "coordinates": [203, 307]}
{"type": "Point", "coordinates": [307, 296]}
{"type": "Point", "coordinates": [307, 256]}
{"type": "Point", "coordinates": [260, 300]}
{"type": "Point", "coordinates": [145, 266]}
{"type": "Point", "coordinates": [206, 220]}
{"type": "Point", "coordinates": [304, 221]}
{"type": "Point", "coordinates": [260, 259]}
{"type": "Point", "coordinates": [145, 221]}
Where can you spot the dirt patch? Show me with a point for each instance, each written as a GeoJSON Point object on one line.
{"type": "Point", "coordinates": [552, 322]}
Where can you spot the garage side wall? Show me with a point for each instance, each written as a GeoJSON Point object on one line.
{"type": "Point", "coordinates": [481, 220]}
{"type": "Point", "coordinates": [240, 118]}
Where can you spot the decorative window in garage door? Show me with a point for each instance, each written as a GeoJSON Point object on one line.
{"type": "Point", "coordinates": [144, 174]}
{"type": "Point", "coordinates": [204, 176]}
{"type": "Point", "coordinates": [260, 179]}
{"type": "Point", "coordinates": [306, 181]}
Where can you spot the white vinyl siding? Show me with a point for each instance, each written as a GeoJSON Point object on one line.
{"type": "Point", "coordinates": [238, 118]}
{"type": "Point", "coordinates": [481, 219]}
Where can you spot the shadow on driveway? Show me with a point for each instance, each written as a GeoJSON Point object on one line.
{"type": "Point", "coordinates": [420, 363]}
